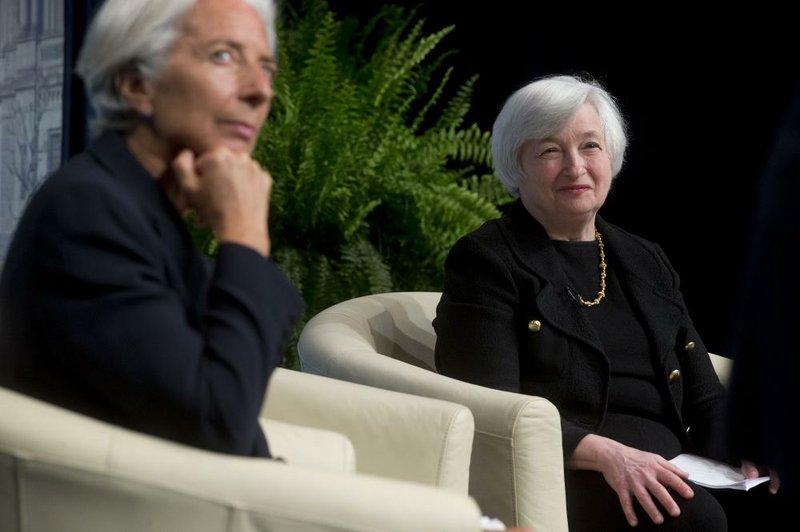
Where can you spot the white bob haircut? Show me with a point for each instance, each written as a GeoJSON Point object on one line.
{"type": "Point", "coordinates": [136, 34]}
{"type": "Point", "coordinates": [541, 109]}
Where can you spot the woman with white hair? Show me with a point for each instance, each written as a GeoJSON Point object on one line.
{"type": "Point", "coordinates": [106, 306]}
{"type": "Point", "coordinates": [552, 300]}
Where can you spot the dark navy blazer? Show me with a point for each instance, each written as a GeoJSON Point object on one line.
{"type": "Point", "coordinates": [507, 320]}
{"type": "Point", "coordinates": [107, 308]}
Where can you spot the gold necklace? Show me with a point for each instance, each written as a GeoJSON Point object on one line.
{"type": "Point", "coordinates": [602, 293]}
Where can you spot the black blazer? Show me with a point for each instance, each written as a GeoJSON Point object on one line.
{"type": "Point", "coordinates": [506, 320]}
{"type": "Point", "coordinates": [107, 308]}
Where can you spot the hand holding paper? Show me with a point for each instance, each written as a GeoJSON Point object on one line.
{"type": "Point", "coordinates": [713, 474]}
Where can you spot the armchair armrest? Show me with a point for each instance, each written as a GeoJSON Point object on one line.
{"type": "Point", "coordinates": [723, 366]}
{"type": "Point", "coordinates": [60, 470]}
{"type": "Point", "coordinates": [310, 447]}
{"type": "Point", "coordinates": [517, 465]}
{"type": "Point", "coordinates": [394, 434]}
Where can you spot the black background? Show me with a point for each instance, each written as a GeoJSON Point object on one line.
{"type": "Point", "coordinates": [703, 97]}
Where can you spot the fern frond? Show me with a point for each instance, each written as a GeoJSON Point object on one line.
{"type": "Point", "coordinates": [488, 187]}
{"type": "Point", "coordinates": [457, 108]}
{"type": "Point", "coordinates": [375, 177]}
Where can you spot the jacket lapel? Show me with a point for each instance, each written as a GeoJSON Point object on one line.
{"type": "Point", "coordinates": [112, 153]}
{"type": "Point", "coordinates": [643, 277]}
{"type": "Point", "coordinates": [535, 253]}
{"type": "Point", "coordinates": [191, 269]}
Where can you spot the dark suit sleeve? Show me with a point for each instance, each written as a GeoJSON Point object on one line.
{"type": "Point", "coordinates": [107, 292]}
{"type": "Point", "coordinates": [475, 338]}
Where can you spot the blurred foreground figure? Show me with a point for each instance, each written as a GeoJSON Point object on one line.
{"type": "Point", "coordinates": [765, 401]}
{"type": "Point", "coordinates": [105, 305]}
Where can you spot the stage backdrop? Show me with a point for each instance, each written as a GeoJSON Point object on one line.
{"type": "Point", "coordinates": [703, 111]}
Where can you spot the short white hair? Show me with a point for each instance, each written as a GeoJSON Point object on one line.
{"type": "Point", "coordinates": [136, 34]}
{"type": "Point", "coordinates": [541, 109]}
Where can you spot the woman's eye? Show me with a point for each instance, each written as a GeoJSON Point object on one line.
{"type": "Point", "coordinates": [592, 145]}
{"type": "Point", "coordinates": [269, 68]}
{"type": "Point", "coordinates": [549, 150]}
{"type": "Point", "coordinates": [222, 56]}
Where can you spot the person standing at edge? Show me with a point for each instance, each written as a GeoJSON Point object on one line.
{"type": "Point", "coordinates": [106, 307]}
{"type": "Point", "coordinates": [763, 401]}
{"type": "Point", "coordinates": [552, 300]}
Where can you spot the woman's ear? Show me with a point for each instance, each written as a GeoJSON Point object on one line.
{"type": "Point", "coordinates": [135, 89]}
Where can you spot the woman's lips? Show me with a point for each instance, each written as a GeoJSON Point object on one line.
{"type": "Point", "coordinates": [575, 189]}
{"type": "Point", "coordinates": [242, 129]}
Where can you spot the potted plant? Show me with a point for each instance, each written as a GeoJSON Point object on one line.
{"type": "Point", "coordinates": [375, 173]}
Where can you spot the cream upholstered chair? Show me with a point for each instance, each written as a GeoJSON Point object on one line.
{"type": "Point", "coordinates": [395, 435]}
{"type": "Point", "coordinates": [387, 341]}
{"type": "Point", "coordinates": [61, 471]}
{"type": "Point", "coordinates": [723, 367]}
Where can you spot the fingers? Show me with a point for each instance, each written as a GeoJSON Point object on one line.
{"type": "Point", "coordinates": [675, 469]}
{"type": "Point", "coordinates": [665, 499]}
{"type": "Point", "coordinates": [184, 170]}
{"type": "Point", "coordinates": [749, 469]}
{"type": "Point", "coordinates": [182, 181]}
{"type": "Point", "coordinates": [230, 192]}
{"type": "Point", "coordinates": [644, 498]}
{"type": "Point", "coordinates": [627, 508]}
{"type": "Point", "coordinates": [656, 490]}
{"type": "Point", "coordinates": [774, 481]}
{"type": "Point", "coordinates": [653, 486]}
{"type": "Point", "coordinates": [651, 498]}
{"type": "Point", "coordinates": [676, 480]}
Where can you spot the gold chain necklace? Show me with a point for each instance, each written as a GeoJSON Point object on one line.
{"type": "Point", "coordinates": [602, 293]}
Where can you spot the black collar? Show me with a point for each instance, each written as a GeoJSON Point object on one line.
{"type": "Point", "coordinates": [112, 153]}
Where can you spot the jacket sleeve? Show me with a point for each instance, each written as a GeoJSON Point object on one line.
{"type": "Point", "coordinates": [108, 292]}
{"type": "Point", "coordinates": [703, 396]}
{"type": "Point", "coordinates": [475, 338]}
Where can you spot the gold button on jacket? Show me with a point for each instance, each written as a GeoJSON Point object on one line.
{"type": "Point", "coordinates": [689, 346]}
{"type": "Point", "coordinates": [534, 325]}
{"type": "Point", "coordinates": [674, 375]}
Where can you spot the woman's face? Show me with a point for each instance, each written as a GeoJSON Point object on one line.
{"type": "Point", "coordinates": [216, 87]}
{"type": "Point", "coordinates": [568, 175]}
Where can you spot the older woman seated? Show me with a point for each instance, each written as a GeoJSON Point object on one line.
{"type": "Point", "coordinates": [552, 300]}
{"type": "Point", "coordinates": [106, 307]}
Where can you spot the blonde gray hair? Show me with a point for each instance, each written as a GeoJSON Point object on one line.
{"type": "Point", "coordinates": [542, 108]}
{"type": "Point", "coordinates": [136, 34]}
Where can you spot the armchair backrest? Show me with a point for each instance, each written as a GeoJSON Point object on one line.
{"type": "Point", "coordinates": [387, 340]}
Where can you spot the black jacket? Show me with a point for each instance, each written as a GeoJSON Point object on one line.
{"type": "Point", "coordinates": [506, 320]}
{"type": "Point", "coordinates": [107, 308]}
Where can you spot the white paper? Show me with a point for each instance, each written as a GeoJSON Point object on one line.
{"type": "Point", "coordinates": [713, 474]}
{"type": "Point", "coordinates": [491, 523]}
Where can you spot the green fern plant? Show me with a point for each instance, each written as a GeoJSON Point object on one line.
{"type": "Point", "coordinates": [375, 174]}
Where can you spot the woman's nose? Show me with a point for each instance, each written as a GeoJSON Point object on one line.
{"type": "Point", "coordinates": [574, 164]}
{"type": "Point", "coordinates": [256, 85]}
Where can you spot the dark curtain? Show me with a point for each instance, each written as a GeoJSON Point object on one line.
{"type": "Point", "coordinates": [75, 111]}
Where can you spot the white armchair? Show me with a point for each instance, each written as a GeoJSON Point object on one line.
{"type": "Point", "coordinates": [394, 435]}
{"type": "Point", "coordinates": [723, 366]}
{"type": "Point", "coordinates": [387, 341]}
{"type": "Point", "coordinates": [61, 471]}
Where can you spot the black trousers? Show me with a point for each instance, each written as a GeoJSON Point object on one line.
{"type": "Point", "coordinates": [592, 506]}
